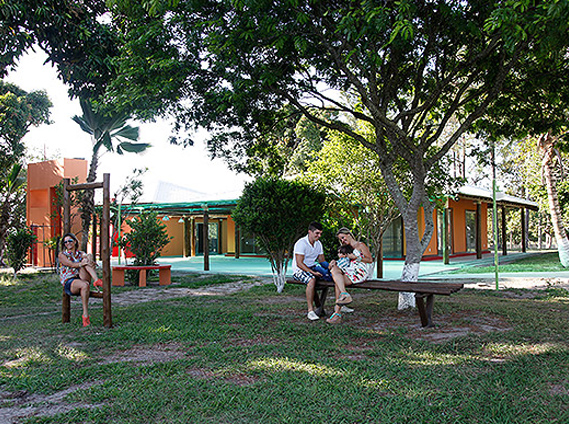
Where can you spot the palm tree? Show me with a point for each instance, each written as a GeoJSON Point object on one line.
{"type": "Point", "coordinates": [105, 128]}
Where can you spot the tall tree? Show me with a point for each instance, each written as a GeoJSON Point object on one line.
{"type": "Point", "coordinates": [19, 110]}
{"type": "Point", "coordinates": [109, 130]}
{"type": "Point", "coordinates": [72, 33]}
{"type": "Point", "coordinates": [535, 102]}
{"type": "Point", "coordinates": [412, 65]}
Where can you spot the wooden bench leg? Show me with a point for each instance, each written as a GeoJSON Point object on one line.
{"type": "Point", "coordinates": [142, 278]}
{"type": "Point", "coordinates": [165, 276]}
{"type": "Point", "coordinates": [65, 308]}
{"type": "Point", "coordinates": [425, 312]}
{"type": "Point", "coordinates": [118, 277]}
{"type": "Point", "coordinates": [319, 300]}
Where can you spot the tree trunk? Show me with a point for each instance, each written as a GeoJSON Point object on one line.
{"type": "Point", "coordinates": [547, 145]}
{"type": "Point", "coordinates": [278, 266]}
{"type": "Point", "coordinates": [4, 224]}
{"type": "Point", "coordinates": [415, 243]}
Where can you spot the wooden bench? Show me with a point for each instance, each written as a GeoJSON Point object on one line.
{"type": "Point", "coordinates": [423, 289]}
{"type": "Point", "coordinates": [164, 274]}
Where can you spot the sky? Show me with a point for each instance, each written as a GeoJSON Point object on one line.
{"type": "Point", "coordinates": [169, 167]}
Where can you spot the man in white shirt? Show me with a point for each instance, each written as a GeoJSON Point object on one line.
{"type": "Point", "coordinates": [308, 264]}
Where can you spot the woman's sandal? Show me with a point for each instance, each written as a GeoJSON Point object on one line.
{"type": "Point", "coordinates": [98, 283]}
{"type": "Point", "coordinates": [335, 318]}
{"type": "Point", "coordinates": [344, 299]}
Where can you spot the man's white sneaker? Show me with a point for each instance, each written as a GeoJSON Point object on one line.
{"type": "Point", "coordinates": [312, 316]}
{"type": "Point", "coordinates": [346, 309]}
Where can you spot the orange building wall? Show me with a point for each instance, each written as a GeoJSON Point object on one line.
{"type": "Point", "coordinates": [41, 215]}
{"type": "Point", "coordinates": [459, 209]}
{"type": "Point", "coordinates": [458, 227]}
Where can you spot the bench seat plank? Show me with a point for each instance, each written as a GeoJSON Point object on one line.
{"type": "Point", "coordinates": [164, 274]}
{"type": "Point", "coordinates": [423, 289]}
{"type": "Point", "coordinates": [443, 288]}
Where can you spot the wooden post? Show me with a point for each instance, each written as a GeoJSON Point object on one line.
{"type": "Point", "coordinates": [66, 207]}
{"type": "Point", "coordinates": [478, 230]}
{"type": "Point", "coordinates": [105, 251]}
{"type": "Point", "coordinates": [205, 239]}
{"type": "Point", "coordinates": [187, 235]}
{"type": "Point", "coordinates": [446, 247]}
{"type": "Point", "coordinates": [504, 240]}
{"type": "Point", "coordinates": [94, 240]}
{"type": "Point", "coordinates": [66, 299]}
{"type": "Point", "coordinates": [192, 236]}
{"type": "Point", "coordinates": [524, 230]}
{"type": "Point", "coordinates": [237, 241]}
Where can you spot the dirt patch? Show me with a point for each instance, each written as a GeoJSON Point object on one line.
{"type": "Point", "coordinates": [168, 292]}
{"type": "Point", "coordinates": [144, 355]}
{"type": "Point", "coordinates": [560, 389]}
{"type": "Point", "coordinates": [533, 283]}
{"type": "Point", "coordinates": [447, 326]}
{"type": "Point", "coordinates": [239, 379]}
{"type": "Point", "coordinates": [17, 406]}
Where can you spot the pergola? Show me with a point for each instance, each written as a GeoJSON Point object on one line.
{"type": "Point", "coordinates": [188, 212]}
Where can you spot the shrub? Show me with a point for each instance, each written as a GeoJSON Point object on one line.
{"type": "Point", "coordinates": [278, 212]}
{"type": "Point", "coordinates": [147, 238]}
{"type": "Point", "coordinates": [17, 246]}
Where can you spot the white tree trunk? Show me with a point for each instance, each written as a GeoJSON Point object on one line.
{"type": "Point", "coordinates": [279, 279]}
{"type": "Point", "coordinates": [547, 146]}
{"type": "Point", "coordinates": [410, 273]}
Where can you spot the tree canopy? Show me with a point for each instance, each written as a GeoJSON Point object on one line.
{"type": "Point", "coordinates": [19, 110]}
{"type": "Point", "coordinates": [405, 68]}
{"type": "Point", "coordinates": [278, 212]}
{"type": "Point", "coordinates": [72, 34]}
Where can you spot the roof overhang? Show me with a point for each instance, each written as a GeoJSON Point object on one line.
{"type": "Point", "coordinates": [502, 199]}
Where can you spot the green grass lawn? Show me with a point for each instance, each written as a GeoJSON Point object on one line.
{"type": "Point", "coordinates": [253, 357]}
{"type": "Point", "coordinates": [544, 262]}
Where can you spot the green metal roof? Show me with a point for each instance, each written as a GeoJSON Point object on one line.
{"type": "Point", "coordinates": [184, 208]}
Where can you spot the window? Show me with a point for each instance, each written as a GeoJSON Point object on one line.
{"type": "Point", "coordinates": [470, 231]}
{"type": "Point", "coordinates": [393, 240]}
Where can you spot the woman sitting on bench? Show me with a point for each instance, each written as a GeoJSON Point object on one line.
{"type": "Point", "coordinates": [76, 271]}
{"type": "Point", "coordinates": [356, 273]}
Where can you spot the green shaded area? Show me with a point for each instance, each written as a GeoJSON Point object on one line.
{"type": "Point", "coordinates": [544, 262]}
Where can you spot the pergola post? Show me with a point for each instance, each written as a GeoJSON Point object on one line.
{"type": "Point", "coordinates": [237, 241]}
{"type": "Point", "coordinates": [446, 238]}
{"type": "Point", "coordinates": [478, 230]}
{"type": "Point", "coordinates": [524, 230]}
{"type": "Point", "coordinates": [504, 241]}
{"type": "Point", "coordinates": [205, 239]}
{"type": "Point", "coordinates": [187, 235]}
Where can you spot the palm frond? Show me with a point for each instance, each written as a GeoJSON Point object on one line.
{"type": "Point", "coordinates": [134, 147]}
{"type": "Point", "coordinates": [128, 132]}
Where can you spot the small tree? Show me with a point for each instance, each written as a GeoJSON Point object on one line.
{"type": "Point", "coordinates": [147, 238]}
{"type": "Point", "coordinates": [17, 246]}
{"type": "Point", "coordinates": [277, 212]}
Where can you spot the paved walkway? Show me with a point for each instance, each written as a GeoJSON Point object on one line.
{"type": "Point", "coordinates": [245, 265]}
